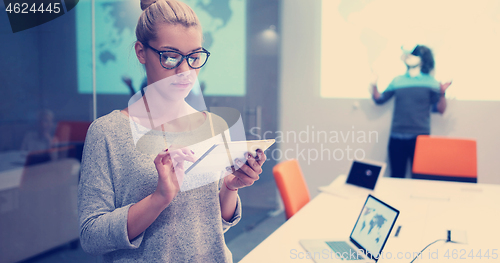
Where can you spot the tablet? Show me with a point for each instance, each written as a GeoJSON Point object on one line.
{"type": "Point", "coordinates": [222, 155]}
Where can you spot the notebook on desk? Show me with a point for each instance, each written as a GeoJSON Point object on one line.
{"type": "Point", "coordinates": [367, 239]}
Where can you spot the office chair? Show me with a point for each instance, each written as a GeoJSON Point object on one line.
{"type": "Point", "coordinates": [292, 186]}
{"type": "Point", "coordinates": [72, 131]}
{"type": "Point", "coordinates": [443, 158]}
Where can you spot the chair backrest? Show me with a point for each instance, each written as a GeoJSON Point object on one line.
{"type": "Point", "coordinates": [292, 186]}
{"type": "Point", "coordinates": [443, 158]}
{"type": "Point", "coordinates": [72, 131]}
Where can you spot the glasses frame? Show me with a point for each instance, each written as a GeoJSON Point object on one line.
{"type": "Point", "coordinates": [160, 53]}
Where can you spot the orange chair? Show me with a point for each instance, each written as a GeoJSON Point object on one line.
{"type": "Point", "coordinates": [443, 158]}
{"type": "Point", "coordinates": [292, 186]}
{"type": "Point", "coordinates": [71, 131]}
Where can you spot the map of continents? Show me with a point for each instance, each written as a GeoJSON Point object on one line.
{"type": "Point", "coordinates": [376, 221]}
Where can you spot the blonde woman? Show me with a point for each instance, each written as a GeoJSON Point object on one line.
{"type": "Point", "coordinates": [132, 206]}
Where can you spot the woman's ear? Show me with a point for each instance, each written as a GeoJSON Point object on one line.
{"type": "Point", "coordinates": [140, 52]}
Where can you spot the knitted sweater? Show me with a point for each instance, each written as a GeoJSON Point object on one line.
{"type": "Point", "coordinates": [118, 171]}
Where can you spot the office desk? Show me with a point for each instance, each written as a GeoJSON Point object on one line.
{"type": "Point", "coordinates": [427, 210]}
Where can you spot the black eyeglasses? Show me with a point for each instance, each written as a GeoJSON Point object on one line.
{"type": "Point", "coordinates": [172, 59]}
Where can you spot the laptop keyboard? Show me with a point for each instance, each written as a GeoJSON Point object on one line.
{"type": "Point", "coordinates": [344, 250]}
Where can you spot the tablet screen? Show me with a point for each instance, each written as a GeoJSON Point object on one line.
{"type": "Point", "coordinates": [222, 155]}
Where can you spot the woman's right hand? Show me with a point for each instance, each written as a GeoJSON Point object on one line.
{"type": "Point", "coordinates": [168, 183]}
{"type": "Point", "coordinates": [170, 167]}
{"type": "Point", "coordinates": [169, 164]}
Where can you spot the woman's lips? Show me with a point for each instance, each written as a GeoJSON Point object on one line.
{"type": "Point", "coordinates": [182, 85]}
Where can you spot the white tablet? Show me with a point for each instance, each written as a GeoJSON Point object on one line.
{"type": "Point", "coordinates": [222, 155]}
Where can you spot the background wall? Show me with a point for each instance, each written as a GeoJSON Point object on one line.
{"type": "Point", "coordinates": [302, 110]}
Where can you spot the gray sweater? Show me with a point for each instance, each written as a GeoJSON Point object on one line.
{"type": "Point", "coordinates": [118, 171]}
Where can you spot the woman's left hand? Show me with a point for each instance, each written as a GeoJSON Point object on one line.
{"type": "Point", "coordinates": [248, 172]}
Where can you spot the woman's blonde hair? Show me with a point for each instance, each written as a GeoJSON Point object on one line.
{"type": "Point", "coordinates": [163, 12]}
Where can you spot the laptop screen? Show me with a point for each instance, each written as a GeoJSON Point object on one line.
{"type": "Point", "coordinates": [364, 174]}
{"type": "Point", "coordinates": [374, 225]}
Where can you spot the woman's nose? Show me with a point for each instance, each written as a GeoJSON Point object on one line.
{"type": "Point", "coordinates": [183, 68]}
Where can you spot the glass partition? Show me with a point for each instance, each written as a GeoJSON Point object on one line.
{"type": "Point", "coordinates": [44, 119]}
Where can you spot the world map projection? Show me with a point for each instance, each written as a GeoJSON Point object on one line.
{"type": "Point", "coordinates": [224, 36]}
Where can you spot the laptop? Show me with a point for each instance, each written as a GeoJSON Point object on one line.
{"type": "Point", "coordinates": [365, 173]}
{"type": "Point", "coordinates": [367, 239]}
{"type": "Point", "coordinates": [360, 181]}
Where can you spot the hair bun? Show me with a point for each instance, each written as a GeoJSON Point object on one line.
{"type": "Point", "coordinates": [146, 3]}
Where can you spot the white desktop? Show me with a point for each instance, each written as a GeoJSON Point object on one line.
{"type": "Point", "coordinates": [428, 209]}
